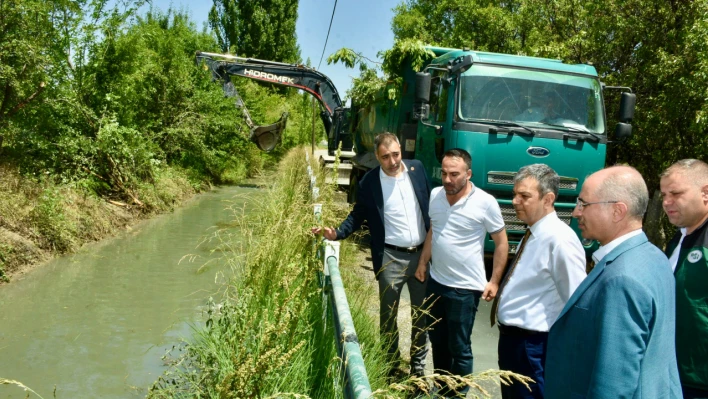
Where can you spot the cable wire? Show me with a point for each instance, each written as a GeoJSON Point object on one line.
{"type": "Point", "coordinates": [328, 30]}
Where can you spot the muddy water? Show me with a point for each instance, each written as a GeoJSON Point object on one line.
{"type": "Point", "coordinates": [95, 324]}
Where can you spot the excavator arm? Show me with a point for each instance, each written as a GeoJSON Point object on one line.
{"type": "Point", "coordinates": [333, 115]}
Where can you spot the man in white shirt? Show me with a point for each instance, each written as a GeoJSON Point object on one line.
{"type": "Point", "coordinates": [461, 215]}
{"type": "Point", "coordinates": [549, 266]}
{"type": "Point", "coordinates": [615, 337]}
{"type": "Point", "coordinates": [393, 199]}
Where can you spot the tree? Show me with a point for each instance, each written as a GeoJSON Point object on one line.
{"type": "Point", "coordinates": [31, 43]}
{"type": "Point", "coordinates": [257, 28]}
{"type": "Point", "coordinates": [658, 48]}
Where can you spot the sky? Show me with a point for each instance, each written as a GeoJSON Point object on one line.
{"type": "Point", "coordinates": [361, 25]}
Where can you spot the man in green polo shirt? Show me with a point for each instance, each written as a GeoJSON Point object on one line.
{"type": "Point", "coordinates": [684, 188]}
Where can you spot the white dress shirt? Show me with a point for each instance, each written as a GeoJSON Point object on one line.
{"type": "Point", "coordinates": [673, 260]}
{"type": "Point", "coordinates": [551, 267]}
{"type": "Point", "coordinates": [458, 237]}
{"type": "Point", "coordinates": [403, 220]}
{"type": "Point", "coordinates": [605, 249]}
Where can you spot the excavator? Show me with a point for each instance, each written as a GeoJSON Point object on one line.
{"type": "Point", "coordinates": [333, 114]}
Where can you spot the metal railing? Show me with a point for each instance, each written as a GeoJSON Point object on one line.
{"type": "Point", "coordinates": [355, 379]}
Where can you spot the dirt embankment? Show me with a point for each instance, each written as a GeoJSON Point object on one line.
{"type": "Point", "coordinates": [40, 219]}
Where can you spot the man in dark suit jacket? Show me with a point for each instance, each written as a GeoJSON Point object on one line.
{"type": "Point", "coordinates": [393, 198]}
{"type": "Point", "coordinates": [615, 336]}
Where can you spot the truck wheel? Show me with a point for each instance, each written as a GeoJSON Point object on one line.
{"type": "Point", "coordinates": [353, 192]}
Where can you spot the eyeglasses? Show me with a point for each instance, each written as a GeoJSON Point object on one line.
{"type": "Point", "coordinates": [580, 204]}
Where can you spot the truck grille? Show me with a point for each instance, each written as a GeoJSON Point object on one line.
{"type": "Point", "coordinates": [566, 183]}
{"type": "Point", "coordinates": [513, 223]}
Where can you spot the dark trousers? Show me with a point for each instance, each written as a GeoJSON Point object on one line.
{"type": "Point", "coordinates": [451, 320]}
{"type": "Point", "coordinates": [693, 393]}
{"type": "Point", "coordinates": [523, 354]}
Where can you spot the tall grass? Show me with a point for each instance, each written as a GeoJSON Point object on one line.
{"type": "Point", "coordinates": [270, 335]}
{"type": "Point", "coordinates": [267, 335]}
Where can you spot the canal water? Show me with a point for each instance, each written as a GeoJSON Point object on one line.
{"type": "Point", "coordinates": [96, 324]}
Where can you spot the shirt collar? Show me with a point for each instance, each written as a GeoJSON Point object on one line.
{"type": "Point", "coordinates": [606, 249]}
{"type": "Point", "coordinates": [461, 201]}
{"type": "Point", "coordinates": [537, 226]}
{"type": "Point", "coordinates": [383, 174]}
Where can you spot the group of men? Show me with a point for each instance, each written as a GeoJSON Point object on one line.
{"type": "Point", "coordinates": [636, 326]}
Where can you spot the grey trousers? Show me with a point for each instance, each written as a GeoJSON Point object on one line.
{"type": "Point", "coordinates": [399, 268]}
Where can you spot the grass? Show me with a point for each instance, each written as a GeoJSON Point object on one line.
{"type": "Point", "coordinates": [40, 218]}
{"type": "Point", "coordinates": [266, 336]}
{"type": "Point", "coordinates": [4, 381]}
{"type": "Point", "coordinates": [270, 335]}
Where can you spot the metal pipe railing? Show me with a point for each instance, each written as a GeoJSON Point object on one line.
{"type": "Point", "coordinates": [356, 381]}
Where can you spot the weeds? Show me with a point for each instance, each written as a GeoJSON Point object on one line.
{"type": "Point", "coordinates": [4, 381]}
{"type": "Point", "coordinates": [40, 218]}
{"type": "Point", "coordinates": [270, 336]}
{"type": "Point", "coordinates": [266, 336]}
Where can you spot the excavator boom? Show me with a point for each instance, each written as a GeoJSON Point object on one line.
{"type": "Point", "coordinates": [223, 66]}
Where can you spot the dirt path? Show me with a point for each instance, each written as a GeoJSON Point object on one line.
{"type": "Point", "coordinates": [484, 338]}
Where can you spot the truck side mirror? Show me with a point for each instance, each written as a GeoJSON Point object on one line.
{"type": "Point", "coordinates": [627, 104]}
{"type": "Point", "coordinates": [422, 87]}
{"type": "Point", "coordinates": [421, 108]}
{"type": "Point", "coordinates": [623, 131]}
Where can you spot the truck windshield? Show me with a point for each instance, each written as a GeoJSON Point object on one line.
{"type": "Point", "coordinates": [531, 97]}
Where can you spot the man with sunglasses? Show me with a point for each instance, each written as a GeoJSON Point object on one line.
{"type": "Point", "coordinates": [615, 336]}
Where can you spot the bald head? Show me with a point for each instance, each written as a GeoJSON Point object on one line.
{"type": "Point", "coordinates": [624, 184]}
{"type": "Point", "coordinates": [611, 204]}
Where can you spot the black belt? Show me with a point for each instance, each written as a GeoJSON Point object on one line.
{"type": "Point", "coordinates": [517, 331]}
{"type": "Point", "coordinates": [410, 250]}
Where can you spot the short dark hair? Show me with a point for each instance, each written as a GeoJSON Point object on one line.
{"type": "Point", "coordinates": [386, 139]}
{"type": "Point", "coordinates": [547, 178]}
{"type": "Point", "coordinates": [459, 153]}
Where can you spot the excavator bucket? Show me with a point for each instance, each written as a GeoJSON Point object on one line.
{"type": "Point", "coordinates": [268, 136]}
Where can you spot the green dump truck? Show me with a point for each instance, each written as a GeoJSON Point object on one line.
{"type": "Point", "coordinates": [506, 111]}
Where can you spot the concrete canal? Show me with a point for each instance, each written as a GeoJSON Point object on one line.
{"type": "Point", "coordinates": [95, 324]}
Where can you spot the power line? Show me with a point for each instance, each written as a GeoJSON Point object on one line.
{"type": "Point", "coordinates": [328, 30]}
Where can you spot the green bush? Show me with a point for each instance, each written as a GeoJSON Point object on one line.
{"type": "Point", "coordinates": [52, 228]}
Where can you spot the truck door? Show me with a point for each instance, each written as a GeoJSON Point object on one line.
{"type": "Point", "coordinates": [431, 140]}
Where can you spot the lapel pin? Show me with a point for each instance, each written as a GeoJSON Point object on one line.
{"type": "Point", "coordinates": [412, 168]}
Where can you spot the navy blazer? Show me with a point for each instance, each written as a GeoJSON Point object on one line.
{"type": "Point", "coordinates": [370, 207]}
{"type": "Point", "coordinates": [615, 336]}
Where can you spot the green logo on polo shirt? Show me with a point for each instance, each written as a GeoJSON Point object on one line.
{"type": "Point", "coordinates": [695, 255]}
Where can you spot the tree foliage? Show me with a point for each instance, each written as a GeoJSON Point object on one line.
{"type": "Point", "coordinates": [656, 47]}
{"type": "Point", "coordinates": [30, 48]}
{"type": "Point", "coordinates": [262, 29]}
{"type": "Point", "coordinates": [97, 93]}
{"type": "Point", "coordinates": [367, 88]}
